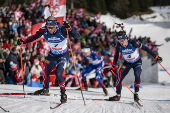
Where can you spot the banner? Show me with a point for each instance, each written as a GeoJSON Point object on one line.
{"type": "Point", "coordinates": [57, 9]}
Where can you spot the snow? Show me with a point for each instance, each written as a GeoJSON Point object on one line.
{"type": "Point", "coordinates": [154, 97]}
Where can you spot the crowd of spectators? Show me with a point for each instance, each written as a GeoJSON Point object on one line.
{"type": "Point", "coordinates": [93, 34]}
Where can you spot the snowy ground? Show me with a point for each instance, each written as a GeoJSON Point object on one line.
{"type": "Point", "coordinates": [155, 97]}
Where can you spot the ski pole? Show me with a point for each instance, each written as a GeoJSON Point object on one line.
{"type": "Point", "coordinates": [74, 65]}
{"type": "Point", "coordinates": [109, 82]}
{"type": "Point", "coordinates": [3, 109]}
{"type": "Point", "coordinates": [22, 68]}
{"type": "Point", "coordinates": [122, 81]}
{"type": "Point", "coordinates": [164, 68]}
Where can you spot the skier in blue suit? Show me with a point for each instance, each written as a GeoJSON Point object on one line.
{"type": "Point", "coordinates": [129, 48]}
{"type": "Point", "coordinates": [56, 36]}
{"type": "Point", "coordinates": [95, 63]}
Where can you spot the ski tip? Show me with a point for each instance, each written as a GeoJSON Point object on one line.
{"type": "Point", "coordinates": [85, 105]}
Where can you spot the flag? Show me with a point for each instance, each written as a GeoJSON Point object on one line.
{"type": "Point", "coordinates": [36, 27]}
{"type": "Point", "coordinates": [32, 5]}
{"type": "Point", "coordinates": [17, 14]}
{"type": "Point", "coordinates": [80, 12]}
{"type": "Point", "coordinates": [19, 76]}
{"type": "Point", "coordinates": [57, 9]}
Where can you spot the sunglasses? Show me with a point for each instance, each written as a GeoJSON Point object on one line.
{"type": "Point", "coordinates": [122, 40]}
{"type": "Point", "coordinates": [50, 27]}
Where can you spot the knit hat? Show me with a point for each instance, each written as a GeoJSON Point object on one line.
{"type": "Point", "coordinates": [13, 66]}
{"type": "Point", "coordinates": [36, 62]}
{"type": "Point", "coordinates": [122, 37]}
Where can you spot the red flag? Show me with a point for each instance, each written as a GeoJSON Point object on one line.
{"type": "Point", "coordinates": [32, 5]}
{"type": "Point", "coordinates": [80, 12]}
{"type": "Point", "coordinates": [17, 14]}
{"type": "Point", "coordinates": [19, 76]}
{"type": "Point", "coordinates": [57, 8]}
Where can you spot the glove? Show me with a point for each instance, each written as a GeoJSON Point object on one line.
{"type": "Point", "coordinates": [158, 59]}
{"type": "Point", "coordinates": [114, 68]}
{"type": "Point", "coordinates": [20, 41]}
{"type": "Point", "coordinates": [66, 24]}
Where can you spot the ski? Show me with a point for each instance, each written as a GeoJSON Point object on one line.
{"type": "Point", "coordinates": [58, 105]}
{"type": "Point", "coordinates": [3, 109]}
{"type": "Point", "coordinates": [49, 94]}
{"type": "Point", "coordinates": [139, 104]}
{"type": "Point", "coordinates": [88, 99]}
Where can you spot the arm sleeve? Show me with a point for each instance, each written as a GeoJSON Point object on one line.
{"type": "Point", "coordinates": [97, 59]}
{"type": "Point", "coordinates": [143, 47]}
{"type": "Point", "coordinates": [148, 50]}
{"type": "Point", "coordinates": [73, 33]}
{"type": "Point", "coordinates": [116, 56]}
{"type": "Point", "coordinates": [38, 34]}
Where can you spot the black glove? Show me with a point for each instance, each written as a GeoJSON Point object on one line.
{"type": "Point", "coordinates": [158, 59]}
{"type": "Point", "coordinates": [66, 24]}
{"type": "Point", "coordinates": [20, 41]}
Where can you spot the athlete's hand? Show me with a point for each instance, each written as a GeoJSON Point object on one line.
{"type": "Point", "coordinates": [20, 41]}
{"type": "Point", "coordinates": [158, 59]}
{"type": "Point", "coordinates": [114, 67]}
{"type": "Point", "coordinates": [66, 24]}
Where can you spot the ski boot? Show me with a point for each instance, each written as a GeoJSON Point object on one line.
{"type": "Point", "coordinates": [115, 98]}
{"type": "Point", "coordinates": [42, 91]}
{"type": "Point", "coordinates": [63, 97]}
{"type": "Point", "coordinates": [105, 91]}
{"type": "Point", "coordinates": [136, 97]}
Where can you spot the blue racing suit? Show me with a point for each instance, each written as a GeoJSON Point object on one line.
{"type": "Point", "coordinates": [132, 60]}
{"type": "Point", "coordinates": [97, 63]}
{"type": "Point", "coordinates": [58, 55]}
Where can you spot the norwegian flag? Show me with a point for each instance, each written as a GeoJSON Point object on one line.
{"type": "Point", "coordinates": [97, 16]}
{"type": "Point", "coordinates": [18, 14]}
{"type": "Point", "coordinates": [33, 4]}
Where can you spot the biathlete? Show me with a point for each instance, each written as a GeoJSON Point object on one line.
{"type": "Point", "coordinates": [129, 48]}
{"type": "Point", "coordinates": [56, 36]}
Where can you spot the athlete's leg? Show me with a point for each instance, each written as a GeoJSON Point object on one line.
{"type": "Point", "coordinates": [137, 67]}
{"type": "Point", "coordinates": [86, 70]}
{"type": "Point", "coordinates": [124, 70]}
{"type": "Point", "coordinates": [51, 62]}
{"type": "Point", "coordinates": [122, 73]}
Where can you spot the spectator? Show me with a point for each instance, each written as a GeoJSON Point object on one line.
{"type": "Point", "coordinates": [2, 65]}
{"type": "Point", "coordinates": [12, 64]}
{"type": "Point", "coordinates": [36, 69]}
